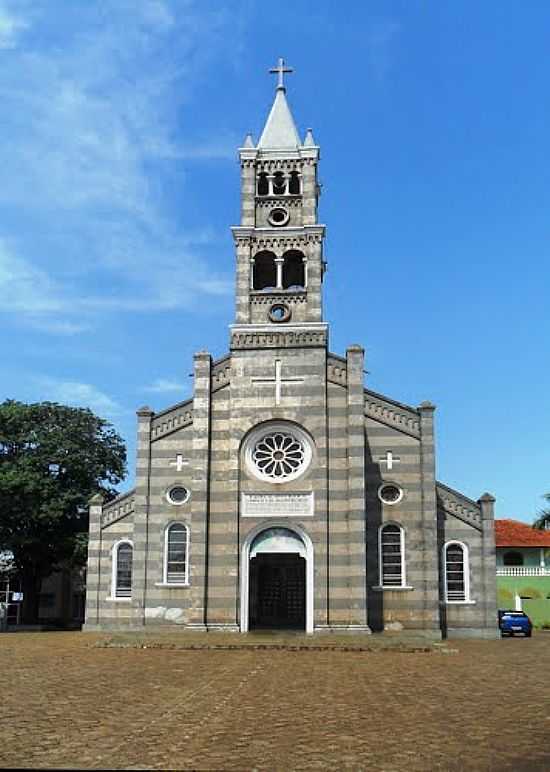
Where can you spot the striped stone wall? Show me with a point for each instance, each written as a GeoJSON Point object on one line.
{"type": "Point", "coordinates": [303, 404]}
{"type": "Point", "coordinates": [471, 523]}
{"type": "Point", "coordinates": [351, 429]}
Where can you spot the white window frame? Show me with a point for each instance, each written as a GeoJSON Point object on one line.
{"type": "Point", "coordinates": [403, 584]}
{"type": "Point", "coordinates": [390, 503]}
{"type": "Point", "coordinates": [165, 582]}
{"type": "Point", "coordinates": [466, 570]}
{"type": "Point", "coordinates": [114, 571]}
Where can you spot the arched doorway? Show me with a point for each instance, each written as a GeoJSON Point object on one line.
{"type": "Point", "coordinates": [277, 580]}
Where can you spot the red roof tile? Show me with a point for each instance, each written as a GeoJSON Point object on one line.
{"type": "Point", "coordinates": [512, 533]}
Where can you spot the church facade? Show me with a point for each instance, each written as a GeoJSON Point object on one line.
{"type": "Point", "coordinates": [284, 493]}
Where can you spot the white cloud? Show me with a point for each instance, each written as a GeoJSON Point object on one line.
{"type": "Point", "coordinates": [11, 25]}
{"type": "Point", "coordinates": [25, 288]}
{"type": "Point", "coordinates": [79, 395]}
{"type": "Point", "coordinates": [92, 117]}
{"type": "Point", "coordinates": [381, 46]}
{"type": "Point", "coordinates": [164, 386]}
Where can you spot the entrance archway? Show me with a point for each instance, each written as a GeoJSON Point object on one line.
{"type": "Point", "coordinates": [277, 579]}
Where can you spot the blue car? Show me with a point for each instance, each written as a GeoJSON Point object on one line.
{"type": "Point", "coordinates": [514, 622]}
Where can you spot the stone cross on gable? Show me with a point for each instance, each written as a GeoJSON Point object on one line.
{"type": "Point", "coordinates": [179, 462]}
{"type": "Point", "coordinates": [280, 71]}
{"type": "Point", "coordinates": [278, 381]}
{"type": "Point", "coordinates": [389, 459]}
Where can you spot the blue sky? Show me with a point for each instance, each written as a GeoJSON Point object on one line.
{"type": "Point", "coordinates": [119, 125]}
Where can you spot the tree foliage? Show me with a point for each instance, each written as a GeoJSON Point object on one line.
{"type": "Point", "coordinates": [53, 458]}
{"type": "Point", "coordinates": [543, 518]}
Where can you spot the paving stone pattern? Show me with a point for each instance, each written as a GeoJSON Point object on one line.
{"type": "Point", "coordinates": [481, 706]}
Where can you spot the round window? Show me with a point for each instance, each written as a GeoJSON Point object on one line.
{"type": "Point", "coordinates": [278, 454]}
{"type": "Point", "coordinates": [389, 493]}
{"type": "Point", "coordinates": [279, 312]}
{"type": "Point", "coordinates": [177, 494]}
{"type": "Point", "coordinates": [278, 216]}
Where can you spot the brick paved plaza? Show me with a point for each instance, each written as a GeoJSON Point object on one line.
{"type": "Point", "coordinates": [68, 703]}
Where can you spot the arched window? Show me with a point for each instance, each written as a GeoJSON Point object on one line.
{"type": "Point", "coordinates": [392, 556]}
{"type": "Point", "coordinates": [176, 554]}
{"type": "Point", "coordinates": [279, 184]}
{"type": "Point", "coordinates": [457, 572]}
{"type": "Point", "coordinates": [294, 185]}
{"type": "Point", "coordinates": [263, 185]}
{"type": "Point", "coordinates": [265, 274]}
{"type": "Point", "coordinates": [293, 270]}
{"type": "Point", "coordinates": [512, 559]}
{"type": "Point", "coordinates": [122, 570]}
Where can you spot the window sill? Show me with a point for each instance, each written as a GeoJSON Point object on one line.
{"type": "Point", "coordinates": [401, 588]}
{"type": "Point", "coordinates": [460, 602]}
{"type": "Point", "coordinates": [172, 584]}
{"type": "Point", "coordinates": [119, 600]}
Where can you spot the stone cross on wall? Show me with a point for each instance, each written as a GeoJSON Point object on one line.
{"type": "Point", "coordinates": [278, 381]}
{"type": "Point", "coordinates": [389, 459]}
{"type": "Point", "coordinates": [179, 462]}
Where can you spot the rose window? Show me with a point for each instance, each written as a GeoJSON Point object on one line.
{"type": "Point", "coordinates": [279, 455]}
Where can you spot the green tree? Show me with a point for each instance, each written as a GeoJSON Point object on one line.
{"type": "Point", "coordinates": [53, 458]}
{"type": "Point", "coordinates": [543, 518]}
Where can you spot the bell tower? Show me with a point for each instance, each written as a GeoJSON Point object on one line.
{"type": "Point", "coordinates": [279, 243]}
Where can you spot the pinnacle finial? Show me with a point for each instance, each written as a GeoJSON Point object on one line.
{"type": "Point", "coordinates": [280, 71]}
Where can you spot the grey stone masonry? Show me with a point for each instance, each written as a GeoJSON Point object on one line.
{"type": "Point", "coordinates": [356, 535]}
{"type": "Point", "coordinates": [141, 515]}
{"type": "Point", "coordinates": [487, 506]}
{"type": "Point", "coordinates": [93, 615]}
{"type": "Point", "coordinates": [200, 503]}
{"type": "Point", "coordinates": [283, 491]}
{"type": "Point", "coordinates": [430, 588]}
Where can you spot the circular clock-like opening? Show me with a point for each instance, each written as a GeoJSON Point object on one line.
{"type": "Point", "coordinates": [389, 493]}
{"type": "Point", "coordinates": [278, 453]}
{"type": "Point", "coordinates": [279, 312]}
{"type": "Point", "coordinates": [177, 494]}
{"type": "Point", "coordinates": [278, 216]}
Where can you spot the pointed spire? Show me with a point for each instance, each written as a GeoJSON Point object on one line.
{"type": "Point", "coordinates": [248, 141]}
{"type": "Point", "coordinates": [280, 130]}
{"type": "Point", "coordinates": [309, 141]}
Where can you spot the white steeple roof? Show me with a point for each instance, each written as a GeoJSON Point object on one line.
{"type": "Point", "coordinates": [280, 130]}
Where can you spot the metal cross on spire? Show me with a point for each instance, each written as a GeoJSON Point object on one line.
{"type": "Point", "coordinates": [280, 70]}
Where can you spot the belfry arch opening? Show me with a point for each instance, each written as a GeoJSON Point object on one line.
{"type": "Point", "coordinates": [265, 273]}
{"type": "Point", "coordinates": [263, 184]}
{"type": "Point", "coordinates": [279, 184]}
{"type": "Point", "coordinates": [294, 270]}
{"type": "Point", "coordinates": [277, 580]}
{"type": "Point", "coordinates": [294, 184]}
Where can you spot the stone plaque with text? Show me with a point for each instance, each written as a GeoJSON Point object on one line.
{"type": "Point", "coordinates": [277, 504]}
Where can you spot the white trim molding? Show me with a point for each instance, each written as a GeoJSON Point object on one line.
{"type": "Point", "coordinates": [403, 583]}
{"type": "Point", "coordinates": [308, 554]}
{"type": "Point", "coordinates": [180, 582]}
{"type": "Point", "coordinates": [114, 571]}
{"type": "Point", "coordinates": [387, 484]}
{"type": "Point", "coordinates": [465, 569]}
{"type": "Point", "coordinates": [169, 490]}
